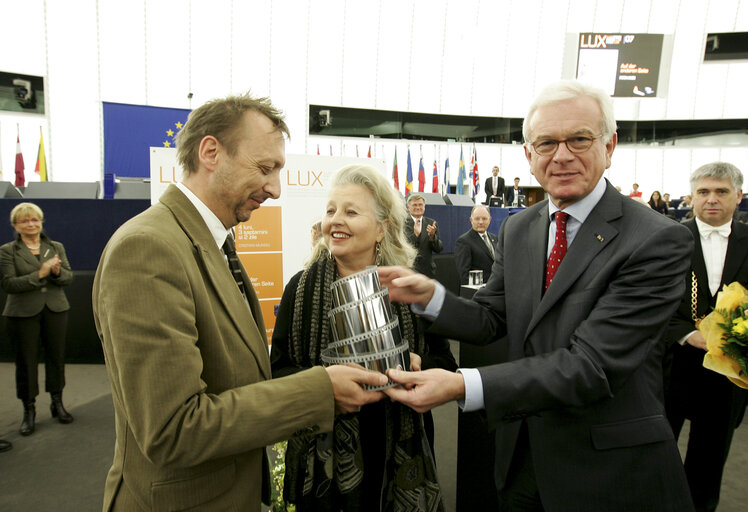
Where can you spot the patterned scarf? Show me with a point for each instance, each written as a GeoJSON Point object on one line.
{"type": "Point", "coordinates": [325, 472]}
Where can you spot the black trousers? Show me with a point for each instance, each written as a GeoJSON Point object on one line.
{"type": "Point", "coordinates": [715, 406]}
{"type": "Point", "coordinates": [520, 493]}
{"type": "Point", "coordinates": [25, 334]}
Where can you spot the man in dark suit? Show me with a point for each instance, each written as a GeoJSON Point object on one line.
{"type": "Point", "coordinates": [714, 405]}
{"type": "Point", "coordinates": [423, 234]}
{"type": "Point", "coordinates": [512, 195]}
{"type": "Point", "coordinates": [494, 186]}
{"type": "Point", "coordinates": [475, 249]}
{"type": "Point", "coordinates": [183, 334]}
{"type": "Point", "coordinates": [577, 408]}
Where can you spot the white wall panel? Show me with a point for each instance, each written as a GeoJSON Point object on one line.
{"type": "Point", "coordinates": [394, 55]}
{"type": "Point", "coordinates": [251, 48]}
{"type": "Point", "coordinates": [635, 16]}
{"type": "Point", "coordinates": [663, 16]}
{"type": "Point", "coordinates": [581, 16]}
{"type": "Point", "coordinates": [325, 53]}
{"type": "Point", "coordinates": [360, 54]}
{"type": "Point", "coordinates": [622, 170]}
{"type": "Point", "coordinates": [741, 18]}
{"type": "Point", "coordinates": [523, 47]}
{"type": "Point", "coordinates": [478, 57]}
{"type": "Point", "coordinates": [288, 61]}
{"type": "Point", "coordinates": [167, 53]}
{"type": "Point", "coordinates": [608, 16]}
{"type": "Point", "coordinates": [734, 104]}
{"type": "Point", "coordinates": [710, 91]}
{"type": "Point", "coordinates": [677, 165]}
{"type": "Point", "coordinates": [701, 156]}
{"type": "Point", "coordinates": [74, 109]}
{"type": "Point", "coordinates": [122, 52]}
{"type": "Point", "coordinates": [549, 48]}
{"type": "Point", "coordinates": [514, 164]}
{"type": "Point", "coordinates": [211, 59]}
{"type": "Point", "coordinates": [737, 156]}
{"type": "Point", "coordinates": [688, 50]}
{"type": "Point", "coordinates": [22, 38]}
{"type": "Point", "coordinates": [721, 16]}
{"type": "Point", "coordinates": [458, 56]}
{"type": "Point", "coordinates": [488, 69]}
{"type": "Point", "coordinates": [426, 56]}
{"type": "Point", "coordinates": [649, 170]}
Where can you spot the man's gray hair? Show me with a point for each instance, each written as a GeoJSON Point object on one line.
{"type": "Point", "coordinates": [720, 171]}
{"type": "Point", "coordinates": [567, 90]}
{"type": "Point", "coordinates": [414, 197]}
{"type": "Point", "coordinates": [477, 206]}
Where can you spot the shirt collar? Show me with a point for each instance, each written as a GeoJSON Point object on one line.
{"type": "Point", "coordinates": [582, 208]}
{"type": "Point", "coordinates": [706, 229]}
{"type": "Point", "coordinates": [216, 227]}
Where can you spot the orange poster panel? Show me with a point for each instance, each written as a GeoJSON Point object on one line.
{"type": "Point", "coordinates": [268, 314]}
{"type": "Point", "coordinates": [266, 273]}
{"type": "Point", "coordinates": [261, 233]}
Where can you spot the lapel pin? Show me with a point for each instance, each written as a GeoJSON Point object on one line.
{"type": "Point", "coordinates": [599, 238]}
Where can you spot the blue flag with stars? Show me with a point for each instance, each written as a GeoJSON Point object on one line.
{"type": "Point", "coordinates": [129, 130]}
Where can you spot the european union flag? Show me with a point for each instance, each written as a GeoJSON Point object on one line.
{"type": "Point", "coordinates": [129, 130]}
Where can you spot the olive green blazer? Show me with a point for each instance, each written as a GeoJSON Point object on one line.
{"type": "Point", "coordinates": [187, 360]}
{"type": "Point", "coordinates": [27, 294]}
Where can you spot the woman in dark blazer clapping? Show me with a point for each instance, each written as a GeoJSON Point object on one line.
{"type": "Point", "coordinates": [34, 270]}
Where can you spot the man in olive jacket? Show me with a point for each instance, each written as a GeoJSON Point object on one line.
{"type": "Point", "coordinates": [185, 346]}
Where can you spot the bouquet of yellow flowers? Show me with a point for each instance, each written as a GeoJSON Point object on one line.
{"type": "Point", "coordinates": [726, 333]}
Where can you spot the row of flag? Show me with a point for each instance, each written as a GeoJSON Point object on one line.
{"type": "Point", "coordinates": [41, 161]}
{"type": "Point", "coordinates": [436, 186]}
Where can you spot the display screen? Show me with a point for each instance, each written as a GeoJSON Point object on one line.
{"type": "Point", "coordinates": [624, 65]}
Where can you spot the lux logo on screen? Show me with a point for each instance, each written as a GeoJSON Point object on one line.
{"type": "Point", "coordinates": [303, 178]}
{"type": "Point", "coordinates": [601, 40]}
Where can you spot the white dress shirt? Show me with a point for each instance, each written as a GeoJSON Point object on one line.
{"type": "Point", "coordinates": [216, 227]}
{"type": "Point", "coordinates": [714, 241]}
{"type": "Point", "coordinates": [714, 248]}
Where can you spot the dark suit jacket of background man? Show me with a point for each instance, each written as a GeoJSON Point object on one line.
{"type": "Point", "coordinates": [471, 253]}
{"type": "Point", "coordinates": [424, 262]}
{"type": "Point", "coordinates": [585, 358]}
{"type": "Point", "coordinates": [510, 195]}
{"type": "Point", "coordinates": [191, 433]}
{"type": "Point", "coordinates": [488, 188]}
{"type": "Point", "coordinates": [692, 390]}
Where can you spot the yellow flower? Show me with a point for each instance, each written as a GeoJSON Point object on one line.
{"type": "Point", "coordinates": [740, 327]}
{"type": "Point", "coordinates": [731, 296]}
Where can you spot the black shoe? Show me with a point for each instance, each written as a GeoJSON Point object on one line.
{"type": "Point", "coordinates": [58, 410]}
{"type": "Point", "coordinates": [29, 419]}
{"type": "Point", "coordinates": [5, 446]}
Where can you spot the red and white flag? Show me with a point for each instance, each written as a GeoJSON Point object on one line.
{"type": "Point", "coordinates": [20, 176]}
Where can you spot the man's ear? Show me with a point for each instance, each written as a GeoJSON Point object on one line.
{"type": "Point", "coordinates": [208, 152]}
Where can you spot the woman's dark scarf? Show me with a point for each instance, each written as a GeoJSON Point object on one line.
{"type": "Point", "coordinates": [327, 469]}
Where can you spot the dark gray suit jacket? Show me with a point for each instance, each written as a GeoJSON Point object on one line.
{"type": "Point", "coordinates": [27, 294]}
{"type": "Point", "coordinates": [584, 365]}
{"type": "Point", "coordinates": [471, 253]}
{"type": "Point", "coordinates": [424, 263]}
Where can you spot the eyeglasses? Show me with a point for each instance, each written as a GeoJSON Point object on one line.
{"type": "Point", "coordinates": [577, 144]}
{"type": "Point", "coordinates": [27, 220]}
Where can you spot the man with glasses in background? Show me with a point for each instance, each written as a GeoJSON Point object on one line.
{"type": "Point", "coordinates": [582, 289]}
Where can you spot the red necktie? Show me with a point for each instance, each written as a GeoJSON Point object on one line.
{"type": "Point", "coordinates": [559, 248]}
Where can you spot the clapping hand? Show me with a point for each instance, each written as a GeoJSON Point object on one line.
{"type": "Point", "coordinates": [431, 230]}
{"type": "Point", "coordinates": [52, 265]}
